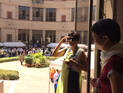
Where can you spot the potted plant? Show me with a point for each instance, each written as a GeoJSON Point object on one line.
{"type": "Point", "coordinates": [29, 60]}
{"type": "Point", "coordinates": [37, 63]}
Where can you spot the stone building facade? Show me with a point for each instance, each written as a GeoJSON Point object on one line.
{"type": "Point", "coordinates": [39, 21]}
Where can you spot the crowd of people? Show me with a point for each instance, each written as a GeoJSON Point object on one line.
{"type": "Point", "coordinates": [11, 52]}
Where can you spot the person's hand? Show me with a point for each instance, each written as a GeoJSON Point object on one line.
{"type": "Point", "coordinates": [64, 39]}
{"type": "Point", "coordinates": [73, 61]}
{"type": "Point", "coordinates": [70, 62]}
{"type": "Point", "coordinates": [94, 82]}
{"type": "Point", "coordinates": [73, 64]}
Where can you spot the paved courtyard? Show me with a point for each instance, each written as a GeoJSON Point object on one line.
{"type": "Point", "coordinates": [32, 80]}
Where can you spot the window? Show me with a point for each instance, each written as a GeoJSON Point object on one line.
{"type": "Point", "coordinates": [50, 37]}
{"type": "Point", "coordinates": [85, 35]}
{"type": "Point", "coordinates": [37, 37]}
{"type": "Point", "coordinates": [63, 18]}
{"type": "Point", "coordinates": [51, 14]}
{"type": "Point", "coordinates": [73, 15]}
{"type": "Point", "coordinates": [37, 1]}
{"type": "Point", "coordinates": [38, 14]}
{"type": "Point", "coordinates": [80, 32]}
{"type": "Point", "coordinates": [85, 13]}
{"type": "Point", "coordinates": [9, 37]}
{"type": "Point", "coordinates": [9, 15]}
{"type": "Point", "coordinates": [82, 14]}
{"type": "Point", "coordinates": [23, 35]}
{"type": "Point", "coordinates": [24, 12]}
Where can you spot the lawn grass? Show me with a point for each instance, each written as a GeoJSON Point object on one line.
{"type": "Point", "coordinates": [7, 59]}
{"type": "Point", "coordinates": [9, 74]}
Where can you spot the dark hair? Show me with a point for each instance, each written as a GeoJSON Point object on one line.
{"type": "Point", "coordinates": [107, 27]}
{"type": "Point", "coordinates": [22, 52]}
{"type": "Point", "coordinates": [75, 36]}
{"type": "Point", "coordinates": [57, 70]}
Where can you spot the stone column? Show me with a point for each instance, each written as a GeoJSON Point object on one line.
{"type": "Point", "coordinates": [3, 35]}
{"type": "Point", "coordinates": [31, 13]}
{"type": "Point", "coordinates": [43, 37]}
{"type": "Point", "coordinates": [16, 35]}
{"type": "Point", "coordinates": [30, 35]}
{"type": "Point", "coordinates": [44, 14]}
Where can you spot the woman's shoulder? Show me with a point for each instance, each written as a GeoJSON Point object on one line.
{"type": "Point", "coordinates": [116, 59]}
{"type": "Point", "coordinates": [116, 63]}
